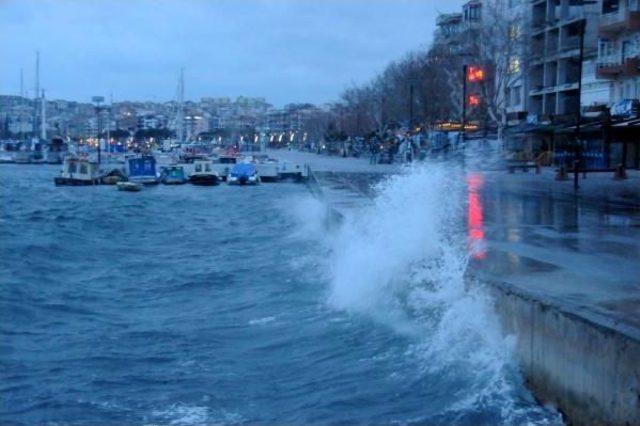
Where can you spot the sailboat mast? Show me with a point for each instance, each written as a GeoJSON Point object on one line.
{"type": "Point", "coordinates": [21, 84]}
{"type": "Point", "coordinates": [43, 118]}
{"type": "Point", "coordinates": [181, 107]}
{"type": "Point", "coordinates": [36, 94]}
{"type": "Point", "coordinates": [37, 82]}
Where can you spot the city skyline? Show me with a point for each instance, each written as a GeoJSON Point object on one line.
{"type": "Point", "coordinates": [283, 50]}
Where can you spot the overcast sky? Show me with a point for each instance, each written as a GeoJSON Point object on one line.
{"type": "Point", "coordinates": [284, 50]}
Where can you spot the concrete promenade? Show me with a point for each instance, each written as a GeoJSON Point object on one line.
{"type": "Point", "coordinates": [564, 268]}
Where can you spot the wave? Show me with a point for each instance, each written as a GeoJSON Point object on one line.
{"type": "Point", "coordinates": [402, 262]}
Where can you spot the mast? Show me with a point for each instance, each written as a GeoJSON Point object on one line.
{"type": "Point", "coordinates": [21, 83]}
{"type": "Point", "coordinates": [36, 93]}
{"type": "Point", "coordinates": [43, 118]}
{"type": "Point", "coordinates": [109, 122]}
{"type": "Point", "coordinates": [37, 82]}
{"type": "Point", "coordinates": [181, 107]}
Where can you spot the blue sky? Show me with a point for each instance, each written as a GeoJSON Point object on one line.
{"type": "Point", "coordinates": [284, 50]}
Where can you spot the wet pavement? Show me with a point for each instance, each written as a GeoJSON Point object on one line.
{"type": "Point", "coordinates": [577, 251]}
{"type": "Point", "coordinates": [572, 252]}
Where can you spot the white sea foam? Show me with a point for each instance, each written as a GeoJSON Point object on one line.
{"type": "Point", "coordinates": [402, 262]}
{"type": "Point", "coordinates": [193, 415]}
{"type": "Point", "coordinates": [262, 321]}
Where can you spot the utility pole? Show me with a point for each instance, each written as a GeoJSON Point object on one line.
{"type": "Point", "coordinates": [464, 101]}
{"type": "Point", "coordinates": [578, 158]}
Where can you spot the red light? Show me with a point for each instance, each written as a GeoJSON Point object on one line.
{"type": "Point", "coordinates": [476, 218]}
{"type": "Point", "coordinates": [475, 74]}
{"type": "Point", "coordinates": [474, 100]}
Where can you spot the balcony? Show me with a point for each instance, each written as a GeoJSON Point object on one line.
{"type": "Point", "coordinates": [613, 23]}
{"type": "Point", "coordinates": [630, 67]}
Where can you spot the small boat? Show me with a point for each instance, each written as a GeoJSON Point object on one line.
{"type": "Point", "coordinates": [129, 186]}
{"type": "Point", "coordinates": [243, 174]}
{"type": "Point", "coordinates": [113, 177]}
{"type": "Point", "coordinates": [78, 172]}
{"type": "Point", "coordinates": [173, 175]}
{"type": "Point", "coordinates": [203, 173]}
{"type": "Point", "coordinates": [142, 170]}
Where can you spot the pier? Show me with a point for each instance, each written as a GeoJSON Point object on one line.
{"type": "Point", "coordinates": [562, 268]}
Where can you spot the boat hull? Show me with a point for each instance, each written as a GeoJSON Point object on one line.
{"type": "Point", "coordinates": [174, 181]}
{"type": "Point", "coordinates": [64, 181]}
{"type": "Point", "coordinates": [204, 180]}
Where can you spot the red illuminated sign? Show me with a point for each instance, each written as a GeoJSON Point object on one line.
{"type": "Point", "coordinates": [475, 74]}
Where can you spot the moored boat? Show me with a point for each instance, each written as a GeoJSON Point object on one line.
{"type": "Point", "coordinates": [203, 173]}
{"type": "Point", "coordinates": [78, 172]}
{"type": "Point", "coordinates": [142, 170]}
{"type": "Point", "coordinates": [243, 174]}
{"type": "Point", "coordinates": [173, 175]}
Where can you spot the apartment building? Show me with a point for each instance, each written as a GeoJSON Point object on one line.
{"type": "Point", "coordinates": [618, 58]}
{"type": "Point", "coordinates": [618, 62]}
{"type": "Point", "coordinates": [557, 30]}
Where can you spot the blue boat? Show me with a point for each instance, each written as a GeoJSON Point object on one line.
{"type": "Point", "coordinates": [142, 170]}
{"type": "Point", "coordinates": [243, 174]}
{"type": "Point", "coordinates": [173, 175]}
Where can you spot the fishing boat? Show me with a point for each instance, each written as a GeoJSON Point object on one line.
{"type": "Point", "coordinates": [142, 170]}
{"type": "Point", "coordinates": [203, 173]}
{"type": "Point", "coordinates": [78, 171]}
{"type": "Point", "coordinates": [173, 175]}
{"type": "Point", "coordinates": [243, 174]}
{"type": "Point", "coordinates": [129, 186]}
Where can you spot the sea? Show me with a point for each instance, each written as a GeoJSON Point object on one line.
{"type": "Point", "coordinates": [190, 305]}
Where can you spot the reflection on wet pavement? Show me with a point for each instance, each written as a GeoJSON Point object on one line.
{"type": "Point", "coordinates": [582, 256]}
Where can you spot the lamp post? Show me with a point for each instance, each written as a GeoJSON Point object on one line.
{"type": "Point", "coordinates": [583, 24]}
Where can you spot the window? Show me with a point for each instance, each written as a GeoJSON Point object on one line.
{"type": "Point", "coordinates": [73, 168]}
{"type": "Point", "coordinates": [198, 168]}
{"type": "Point", "coordinates": [514, 65]}
{"type": "Point", "coordinates": [83, 169]}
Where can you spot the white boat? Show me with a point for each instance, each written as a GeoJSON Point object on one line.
{"type": "Point", "coordinates": [77, 171]}
{"type": "Point", "coordinates": [203, 173]}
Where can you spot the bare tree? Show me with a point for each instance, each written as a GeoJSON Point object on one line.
{"type": "Point", "coordinates": [502, 51]}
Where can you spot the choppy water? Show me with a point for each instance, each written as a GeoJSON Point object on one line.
{"type": "Point", "coordinates": [188, 306]}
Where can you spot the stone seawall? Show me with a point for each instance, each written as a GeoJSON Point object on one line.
{"type": "Point", "coordinates": [589, 371]}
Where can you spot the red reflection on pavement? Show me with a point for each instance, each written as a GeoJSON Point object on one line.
{"type": "Point", "coordinates": [476, 218]}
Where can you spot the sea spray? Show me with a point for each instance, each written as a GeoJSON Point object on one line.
{"type": "Point", "coordinates": [402, 262]}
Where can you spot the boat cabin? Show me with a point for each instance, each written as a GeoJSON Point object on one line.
{"type": "Point", "coordinates": [79, 171]}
